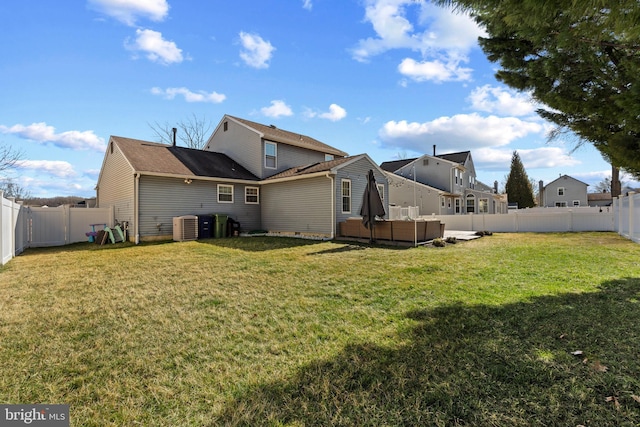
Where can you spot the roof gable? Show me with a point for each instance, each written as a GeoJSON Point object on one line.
{"type": "Point", "coordinates": [272, 133]}
{"type": "Point", "coordinates": [566, 177]}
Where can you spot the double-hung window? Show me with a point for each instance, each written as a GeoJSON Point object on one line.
{"type": "Point", "coordinates": [252, 195]}
{"type": "Point", "coordinates": [225, 193]}
{"type": "Point", "coordinates": [270, 155]}
{"type": "Point", "coordinates": [380, 191]}
{"type": "Point", "coordinates": [346, 195]}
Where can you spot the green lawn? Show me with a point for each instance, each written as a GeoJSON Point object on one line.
{"type": "Point", "coordinates": [267, 331]}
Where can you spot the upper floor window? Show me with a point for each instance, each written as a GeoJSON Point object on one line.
{"type": "Point", "coordinates": [270, 155]}
{"type": "Point", "coordinates": [328, 157]}
{"type": "Point", "coordinates": [251, 195]}
{"type": "Point", "coordinates": [560, 191]}
{"type": "Point", "coordinates": [225, 126]}
{"type": "Point", "coordinates": [225, 193]}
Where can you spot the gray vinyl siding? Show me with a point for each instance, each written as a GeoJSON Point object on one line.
{"type": "Point", "coordinates": [116, 185]}
{"type": "Point", "coordinates": [303, 205]}
{"type": "Point", "coordinates": [357, 172]}
{"type": "Point", "coordinates": [241, 144]}
{"type": "Point", "coordinates": [162, 198]}
{"type": "Point", "coordinates": [289, 156]}
{"type": "Point", "coordinates": [401, 193]}
{"type": "Point", "coordinates": [573, 190]}
{"type": "Point", "coordinates": [437, 173]}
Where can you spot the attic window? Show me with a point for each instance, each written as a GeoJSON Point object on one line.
{"type": "Point", "coordinates": [225, 126]}
{"type": "Point", "coordinates": [560, 191]}
{"type": "Point", "coordinates": [111, 147]}
{"type": "Point", "coordinates": [425, 162]}
{"type": "Point", "coordinates": [328, 157]}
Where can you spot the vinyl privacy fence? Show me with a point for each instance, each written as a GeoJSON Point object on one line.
{"type": "Point", "coordinates": [30, 227]}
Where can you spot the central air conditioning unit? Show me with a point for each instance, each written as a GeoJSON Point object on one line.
{"type": "Point", "coordinates": [185, 228]}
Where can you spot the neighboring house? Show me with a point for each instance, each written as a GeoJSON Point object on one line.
{"type": "Point", "coordinates": [263, 177]}
{"type": "Point", "coordinates": [445, 185]}
{"type": "Point", "coordinates": [563, 192]}
{"type": "Point", "coordinates": [599, 199]}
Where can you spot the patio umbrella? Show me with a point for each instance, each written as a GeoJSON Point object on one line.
{"type": "Point", "coordinates": [371, 204]}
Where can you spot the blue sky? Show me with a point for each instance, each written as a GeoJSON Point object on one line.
{"type": "Point", "coordinates": [390, 78]}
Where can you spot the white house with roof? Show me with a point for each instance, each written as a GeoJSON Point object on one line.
{"type": "Point", "coordinates": [443, 185]}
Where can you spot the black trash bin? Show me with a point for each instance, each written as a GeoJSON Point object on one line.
{"type": "Point", "coordinates": [205, 226]}
{"type": "Point", "coordinates": [233, 227]}
{"type": "Point", "coordinates": [221, 225]}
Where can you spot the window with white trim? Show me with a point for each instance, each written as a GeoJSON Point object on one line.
{"type": "Point", "coordinates": [251, 195]}
{"type": "Point", "coordinates": [225, 193]}
{"type": "Point", "coordinates": [560, 191]}
{"type": "Point", "coordinates": [328, 157]}
{"type": "Point", "coordinates": [441, 202]}
{"type": "Point", "coordinates": [471, 203]}
{"type": "Point", "coordinates": [380, 188]}
{"type": "Point", "coordinates": [483, 205]}
{"type": "Point", "coordinates": [270, 155]}
{"type": "Point", "coordinates": [576, 203]}
{"type": "Point", "coordinates": [457, 205]}
{"type": "Point", "coordinates": [346, 195]}
{"type": "Point", "coordinates": [561, 204]}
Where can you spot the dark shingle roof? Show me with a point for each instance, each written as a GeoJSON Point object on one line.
{"type": "Point", "coordinates": [394, 165]}
{"type": "Point", "coordinates": [152, 157]}
{"type": "Point", "coordinates": [460, 157]}
{"type": "Point", "coordinates": [275, 134]}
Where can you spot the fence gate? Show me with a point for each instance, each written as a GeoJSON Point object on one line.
{"type": "Point", "coordinates": [47, 226]}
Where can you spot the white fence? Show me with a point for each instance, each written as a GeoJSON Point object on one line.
{"type": "Point", "coordinates": [537, 220]}
{"type": "Point", "coordinates": [29, 227]}
{"type": "Point", "coordinates": [627, 216]}
{"type": "Point", "coordinates": [403, 213]}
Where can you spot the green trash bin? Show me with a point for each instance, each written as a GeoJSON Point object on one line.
{"type": "Point", "coordinates": [221, 225]}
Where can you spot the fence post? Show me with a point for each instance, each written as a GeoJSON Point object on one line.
{"type": "Point", "coordinates": [1, 228]}
{"type": "Point", "coordinates": [631, 200]}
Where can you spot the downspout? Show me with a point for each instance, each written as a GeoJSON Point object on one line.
{"type": "Point", "coordinates": [136, 210]}
{"type": "Point", "coordinates": [333, 207]}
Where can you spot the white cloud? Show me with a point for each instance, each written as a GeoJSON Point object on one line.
{"type": "Point", "coordinates": [189, 96]}
{"type": "Point", "coordinates": [58, 168]}
{"type": "Point", "coordinates": [542, 157]}
{"type": "Point", "coordinates": [498, 100]}
{"type": "Point", "coordinates": [41, 132]}
{"type": "Point", "coordinates": [306, 4]}
{"type": "Point", "coordinates": [442, 37]}
{"type": "Point", "coordinates": [456, 133]}
{"type": "Point", "coordinates": [277, 109]}
{"type": "Point", "coordinates": [436, 71]}
{"type": "Point", "coordinates": [128, 11]}
{"type": "Point", "coordinates": [156, 48]}
{"type": "Point", "coordinates": [257, 52]}
{"type": "Point", "coordinates": [334, 114]}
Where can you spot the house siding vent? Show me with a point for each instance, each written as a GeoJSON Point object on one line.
{"type": "Point", "coordinates": [185, 228]}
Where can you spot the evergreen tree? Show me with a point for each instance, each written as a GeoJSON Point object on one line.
{"type": "Point", "coordinates": [518, 185]}
{"type": "Point", "coordinates": [579, 58]}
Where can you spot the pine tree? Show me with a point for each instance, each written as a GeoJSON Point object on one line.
{"type": "Point", "coordinates": [581, 59]}
{"type": "Point", "coordinates": [518, 186]}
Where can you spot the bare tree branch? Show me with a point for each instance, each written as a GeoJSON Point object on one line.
{"type": "Point", "coordinates": [192, 132]}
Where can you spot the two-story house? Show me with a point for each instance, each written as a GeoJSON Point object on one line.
{"type": "Point", "coordinates": [441, 184]}
{"type": "Point", "coordinates": [263, 177]}
{"type": "Point", "coordinates": [564, 192]}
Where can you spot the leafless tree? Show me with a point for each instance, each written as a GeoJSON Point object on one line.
{"type": "Point", "coordinates": [8, 157]}
{"type": "Point", "coordinates": [13, 189]}
{"type": "Point", "coordinates": [192, 132]}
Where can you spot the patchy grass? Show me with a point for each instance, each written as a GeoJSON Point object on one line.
{"type": "Point", "coordinates": [267, 331]}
